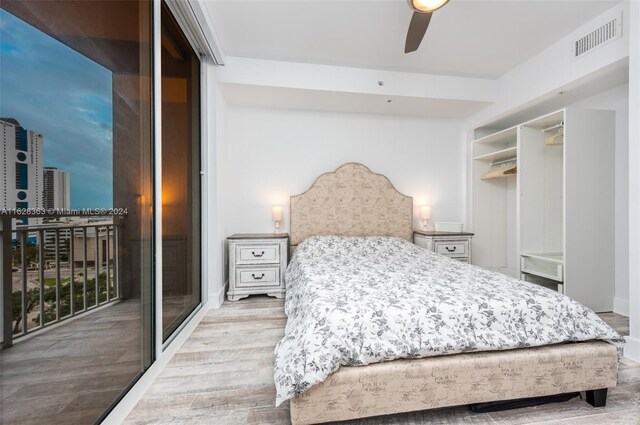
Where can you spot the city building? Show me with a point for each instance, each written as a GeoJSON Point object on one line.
{"type": "Point", "coordinates": [21, 162]}
{"type": "Point", "coordinates": [57, 189]}
{"type": "Point", "coordinates": [82, 253]}
{"type": "Point", "coordinates": [56, 194]}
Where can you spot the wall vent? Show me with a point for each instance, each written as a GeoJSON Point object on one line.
{"type": "Point", "coordinates": [601, 36]}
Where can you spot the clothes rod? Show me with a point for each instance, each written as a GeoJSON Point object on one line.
{"type": "Point", "coordinates": [504, 161]}
{"type": "Point", "coordinates": [553, 127]}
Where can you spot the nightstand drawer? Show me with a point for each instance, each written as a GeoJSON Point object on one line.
{"type": "Point", "coordinates": [257, 254]}
{"type": "Point", "coordinates": [257, 276]}
{"type": "Point", "coordinates": [456, 246]}
{"type": "Point", "coordinates": [453, 248]}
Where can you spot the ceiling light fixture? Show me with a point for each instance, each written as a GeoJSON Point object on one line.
{"type": "Point", "coordinates": [427, 6]}
{"type": "Point", "coordinates": [422, 11]}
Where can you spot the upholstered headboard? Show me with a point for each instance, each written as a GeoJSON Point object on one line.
{"type": "Point", "coordinates": [351, 201]}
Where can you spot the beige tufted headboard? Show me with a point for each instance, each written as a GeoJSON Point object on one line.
{"type": "Point", "coordinates": [351, 201]}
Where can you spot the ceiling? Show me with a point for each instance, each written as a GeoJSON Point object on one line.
{"type": "Point", "coordinates": [466, 37]}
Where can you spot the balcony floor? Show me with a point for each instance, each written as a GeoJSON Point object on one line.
{"type": "Point", "coordinates": [70, 373]}
{"type": "Point", "coordinates": [223, 374]}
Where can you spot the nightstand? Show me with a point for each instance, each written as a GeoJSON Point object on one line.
{"type": "Point", "coordinates": [257, 262]}
{"type": "Point", "coordinates": [454, 245]}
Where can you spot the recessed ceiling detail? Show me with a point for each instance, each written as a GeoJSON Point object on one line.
{"type": "Point", "coordinates": [362, 103]}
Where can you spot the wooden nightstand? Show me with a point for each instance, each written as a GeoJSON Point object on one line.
{"type": "Point", "coordinates": [257, 262]}
{"type": "Point", "coordinates": [454, 245]}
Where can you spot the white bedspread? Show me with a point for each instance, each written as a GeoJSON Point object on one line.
{"type": "Point", "coordinates": [356, 301]}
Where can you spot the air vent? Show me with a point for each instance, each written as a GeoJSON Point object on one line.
{"type": "Point", "coordinates": [599, 37]}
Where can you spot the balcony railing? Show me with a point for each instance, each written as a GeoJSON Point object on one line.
{"type": "Point", "coordinates": [56, 270]}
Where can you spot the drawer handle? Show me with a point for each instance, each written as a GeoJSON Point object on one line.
{"type": "Point", "coordinates": [449, 249]}
{"type": "Point", "coordinates": [257, 255]}
{"type": "Point", "coordinates": [256, 277]}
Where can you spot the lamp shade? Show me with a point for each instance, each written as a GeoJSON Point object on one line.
{"type": "Point", "coordinates": [276, 213]}
{"type": "Point", "coordinates": [425, 212]}
{"type": "Point", "coordinates": [427, 6]}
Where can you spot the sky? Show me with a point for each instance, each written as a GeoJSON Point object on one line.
{"type": "Point", "coordinates": [55, 91]}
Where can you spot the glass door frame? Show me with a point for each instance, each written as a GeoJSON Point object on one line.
{"type": "Point", "coordinates": [205, 220]}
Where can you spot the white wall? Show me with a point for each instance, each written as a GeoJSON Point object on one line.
{"type": "Point", "coordinates": [214, 246]}
{"type": "Point", "coordinates": [271, 154]}
{"type": "Point", "coordinates": [617, 99]}
{"type": "Point", "coordinates": [632, 349]}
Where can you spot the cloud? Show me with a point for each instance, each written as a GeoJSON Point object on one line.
{"type": "Point", "coordinates": [52, 89]}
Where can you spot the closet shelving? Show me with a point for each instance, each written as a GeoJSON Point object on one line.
{"type": "Point", "coordinates": [498, 191]}
{"type": "Point", "coordinates": [504, 140]}
{"type": "Point", "coordinates": [551, 222]}
{"type": "Point", "coordinates": [498, 155]}
{"type": "Point", "coordinates": [541, 214]}
{"type": "Point", "coordinates": [548, 265]}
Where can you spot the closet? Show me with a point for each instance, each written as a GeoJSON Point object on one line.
{"type": "Point", "coordinates": [494, 203]}
{"type": "Point", "coordinates": [543, 203]}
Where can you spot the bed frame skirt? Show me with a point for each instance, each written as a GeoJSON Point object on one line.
{"type": "Point", "coordinates": [410, 385]}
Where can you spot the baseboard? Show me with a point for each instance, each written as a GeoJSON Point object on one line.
{"type": "Point", "coordinates": [621, 306]}
{"type": "Point", "coordinates": [220, 295]}
{"type": "Point", "coordinates": [128, 402]}
{"type": "Point", "coordinates": [632, 348]}
{"type": "Point", "coordinates": [216, 296]}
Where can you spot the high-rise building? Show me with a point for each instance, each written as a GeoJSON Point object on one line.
{"type": "Point", "coordinates": [21, 159]}
{"type": "Point", "coordinates": [57, 189]}
{"type": "Point", "coordinates": [56, 195]}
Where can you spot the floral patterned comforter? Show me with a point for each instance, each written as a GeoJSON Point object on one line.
{"type": "Point", "coordinates": [354, 301]}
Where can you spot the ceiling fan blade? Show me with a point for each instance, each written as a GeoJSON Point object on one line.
{"type": "Point", "coordinates": [417, 29]}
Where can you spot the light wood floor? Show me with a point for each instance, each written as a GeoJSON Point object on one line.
{"type": "Point", "coordinates": [223, 374]}
{"type": "Point", "coordinates": [71, 373]}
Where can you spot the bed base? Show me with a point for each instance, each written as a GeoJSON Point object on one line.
{"type": "Point", "coordinates": [410, 385]}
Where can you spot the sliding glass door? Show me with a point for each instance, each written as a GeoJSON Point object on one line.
{"type": "Point", "coordinates": [180, 176]}
{"type": "Point", "coordinates": [76, 107]}
{"type": "Point", "coordinates": [78, 289]}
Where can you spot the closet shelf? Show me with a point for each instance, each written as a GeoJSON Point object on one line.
{"type": "Point", "coordinates": [549, 265]}
{"type": "Point", "coordinates": [552, 257]}
{"type": "Point", "coordinates": [501, 154]}
{"type": "Point", "coordinates": [501, 137]}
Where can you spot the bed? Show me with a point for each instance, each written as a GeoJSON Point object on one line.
{"type": "Point", "coordinates": [377, 325]}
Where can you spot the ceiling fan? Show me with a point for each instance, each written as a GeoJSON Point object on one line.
{"type": "Point", "coordinates": [422, 10]}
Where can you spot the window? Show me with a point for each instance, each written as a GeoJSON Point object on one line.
{"type": "Point", "coordinates": [22, 176]}
{"type": "Point", "coordinates": [21, 139]}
